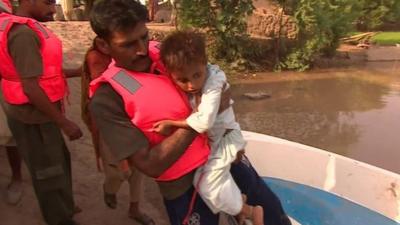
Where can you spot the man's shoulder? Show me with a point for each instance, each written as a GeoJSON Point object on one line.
{"type": "Point", "coordinates": [21, 29]}
{"type": "Point", "coordinates": [104, 92]}
{"type": "Point", "coordinates": [22, 35]}
{"type": "Point", "coordinates": [106, 99]}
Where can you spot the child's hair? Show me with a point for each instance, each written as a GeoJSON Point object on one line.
{"type": "Point", "coordinates": [108, 16]}
{"type": "Point", "coordinates": [182, 48]}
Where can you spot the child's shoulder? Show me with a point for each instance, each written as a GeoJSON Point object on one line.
{"type": "Point", "coordinates": [215, 73]}
{"type": "Point", "coordinates": [216, 78]}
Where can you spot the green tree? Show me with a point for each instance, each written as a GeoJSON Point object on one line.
{"type": "Point", "coordinates": [225, 20]}
{"type": "Point", "coordinates": [374, 13]}
{"type": "Point", "coordinates": [321, 24]}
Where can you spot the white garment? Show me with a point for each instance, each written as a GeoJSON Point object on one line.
{"type": "Point", "coordinates": [217, 187]}
{"type": "Point", "coordinates": [207, 119]}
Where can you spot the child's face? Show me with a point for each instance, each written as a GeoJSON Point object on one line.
{"type": "Point", "coordinates": [191, 78]}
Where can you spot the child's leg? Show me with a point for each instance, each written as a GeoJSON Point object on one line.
{"type": "Point", "coordinates": [135, 180]}
{"type": "Point", "coordinates": [258, 193]}
{"type": "Point", "coordinates": [113, 176]}
{"type": "Point", "coordinates": [219, 191]}
{"type": "Point", "coordinates": [217, 187]}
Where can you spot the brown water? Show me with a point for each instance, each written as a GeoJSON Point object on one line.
{"type": "Point", "coordinates": [355, 114]}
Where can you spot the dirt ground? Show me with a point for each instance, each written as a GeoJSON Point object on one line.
{"type": "Point", "coordinates": [77, 37]}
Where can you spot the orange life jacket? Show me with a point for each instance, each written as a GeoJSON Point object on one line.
{"type": "Point", "coordinates": [6, 5]}
{"type": "Point", "coordinates": [149, 98]}
{"type": "Point", "coordinates": [51, 81]}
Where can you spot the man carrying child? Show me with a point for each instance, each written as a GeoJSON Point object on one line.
{"type": "Point", "coordinates": [133, 94]}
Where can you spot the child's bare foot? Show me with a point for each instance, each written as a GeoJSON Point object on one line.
{"type": "Point", "coordinates": [241, 217]}
{"type": "Point", "coordinates": [257, 215]}
{"type": "Point", "coordinates": [250, 214]}
{"type": "Point", "coordinates": [14, 192]}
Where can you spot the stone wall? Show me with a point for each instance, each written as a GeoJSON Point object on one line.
{"type": "Point", "coordinates": [265, 21]}
{"type": "Point", "coordinates": [77, 37]}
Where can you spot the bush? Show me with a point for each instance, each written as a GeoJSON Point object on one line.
{"type": "Point", "coordinates": [224, 20]}
{"type": "Point", "coordinates": [373, 14]}
{"type": "Point", "coordinates": [321, 24]}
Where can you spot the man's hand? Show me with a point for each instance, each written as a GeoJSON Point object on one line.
{"type": "Point", "coordinates": [163, 127]}
{"type": "Point", "coordinates": [225, 100]}
{"type": "Point", "coordinates": [70, 129]}
{"type": "Point", "coordinates": [40, 100]}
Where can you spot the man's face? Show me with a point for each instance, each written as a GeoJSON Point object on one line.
{"type": "Point", "coordinates": [43, 10]}
{"type": "Point", "coordinates": [191, 77]}
{"type": "Point", "coordinates": [129, 48]}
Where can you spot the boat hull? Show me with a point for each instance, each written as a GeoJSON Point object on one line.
{"type": "Point", "coordinates": [319, 187]}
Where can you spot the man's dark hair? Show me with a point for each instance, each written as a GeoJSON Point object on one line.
{"type": "Point", "coordinates": [182, 48]}
{"type": "Point", "coordinates": [108, 16]}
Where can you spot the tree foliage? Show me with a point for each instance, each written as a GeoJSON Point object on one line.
{"type": "Point", "coordinates": [321, 24]}
{"type": "Point", "coordinates": [225, 20]}
{"type": "Point", "coordinates": [373, 13]}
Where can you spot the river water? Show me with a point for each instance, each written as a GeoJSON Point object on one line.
{"type": "Point", "coordinates": [355, 113]}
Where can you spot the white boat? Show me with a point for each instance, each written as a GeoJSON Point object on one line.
{"type": "Point", "coordinates": [317, 187]}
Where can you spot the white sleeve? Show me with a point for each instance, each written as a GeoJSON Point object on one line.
{"type": "Point", "coordinates": [204, 118]}
{"type": "Point", "coordinates": [207, 111]}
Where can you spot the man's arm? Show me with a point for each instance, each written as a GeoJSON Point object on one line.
{"type": "Point", "coordinates": [165, 127]}
{"type": "Point", "coordinates": [39, 99]}
{"type": "Point", "coordinates": [127, 142]}
{"type": "Point", "coordinates": [153, 162]}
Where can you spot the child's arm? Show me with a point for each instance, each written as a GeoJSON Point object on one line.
{"type": "Point", "coordinates": [164, 127]}
{"type": "Point", "coordinates": [203, 119]}
{"type": "Point", "coordinates": [208, 109]}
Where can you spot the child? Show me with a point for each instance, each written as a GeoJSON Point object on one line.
{"type": "Point", "coordinates": [184, 56]}
{"type": "Point", "coordinates": [95, 64]}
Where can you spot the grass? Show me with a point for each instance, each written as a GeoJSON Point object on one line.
{"type": "Point", "coordinates": [382, 38]}
{"type": "Point", "coordinates": [386, 38]}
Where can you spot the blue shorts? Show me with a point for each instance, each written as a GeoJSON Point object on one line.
{"type": "Point", "coordinates": [249, 182]}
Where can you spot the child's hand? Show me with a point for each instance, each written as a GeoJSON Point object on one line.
{"type": "Point", "coordinates": [163, 127]}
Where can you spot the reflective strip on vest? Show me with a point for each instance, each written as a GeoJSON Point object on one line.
{"type": "Point", "coordinates": [4, 24]}
{"type": "Point", "coordinates": [4, 6]}
{"type": "Point", "coordinates": [126, 81]}
{"type": "Point", "coordinates": [42, 30]}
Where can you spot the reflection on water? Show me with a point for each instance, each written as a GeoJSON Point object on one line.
{"type": "Point", "coordinates": [348, 116]}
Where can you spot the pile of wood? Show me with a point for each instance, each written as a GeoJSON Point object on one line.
{"type": "Point", "coordinates": [362, 40]}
